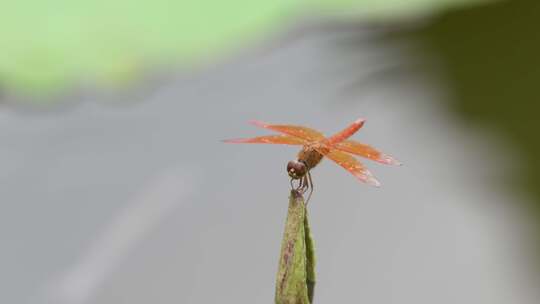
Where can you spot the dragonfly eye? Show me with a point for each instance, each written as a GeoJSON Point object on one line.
{"type": "Point", "coordinates": [296, 169]}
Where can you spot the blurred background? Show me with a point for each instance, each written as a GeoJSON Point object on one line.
{"type": "Point", "coordinates": [115, 187]}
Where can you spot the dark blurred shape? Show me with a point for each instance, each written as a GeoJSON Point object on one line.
{"type": "Point", "coordinates": [491, 56]}
{"type": "Point", "coordinates": [490, 59]}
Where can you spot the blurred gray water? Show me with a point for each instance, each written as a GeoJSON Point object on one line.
{"type": "Point", "coordinates": [142, 203]}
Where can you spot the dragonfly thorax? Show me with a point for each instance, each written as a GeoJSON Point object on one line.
{"type": "Point", "coordinates": [310, 155]}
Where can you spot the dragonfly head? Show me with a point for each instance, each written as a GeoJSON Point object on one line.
{"type": "Point", "coordinates": [296, 169]}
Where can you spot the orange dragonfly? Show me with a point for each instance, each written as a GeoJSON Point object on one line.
{"type": "Point", "coordinates": [316, 146]}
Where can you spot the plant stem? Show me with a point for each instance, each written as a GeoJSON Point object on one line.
{"type": "Point", "coordinates": [296, 273]}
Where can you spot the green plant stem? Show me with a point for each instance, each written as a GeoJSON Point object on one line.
{"type": "Point", "coordinates": [296, 273]}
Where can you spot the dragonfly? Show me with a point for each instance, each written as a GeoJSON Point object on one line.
{"type": "Point", "coordinates": [315, 146]}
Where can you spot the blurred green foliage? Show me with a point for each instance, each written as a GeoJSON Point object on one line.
{"type": "Point", "coordinates": [389, 10]}
{"type": "Point", "coordinates": [48, 45]}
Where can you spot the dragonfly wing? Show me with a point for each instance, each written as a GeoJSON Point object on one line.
{"type": "Point", "coordinates": [366, 151]}
{"type": "Point", "coordinates": [347, 132]}
{"type": "Point", "coordinates": [353, 166]}
{"type": "Point", "coordinates": [292, 130]}
{"type": "Point", "coordinates": [270, 139]}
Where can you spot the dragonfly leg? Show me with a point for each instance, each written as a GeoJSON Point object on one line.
{"type": "Point", "coordinates": [310, 186]}
{"type": "Point", "coordinates": [304, 184]}
{"type": "Point", "coordinates": [298, 187]}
